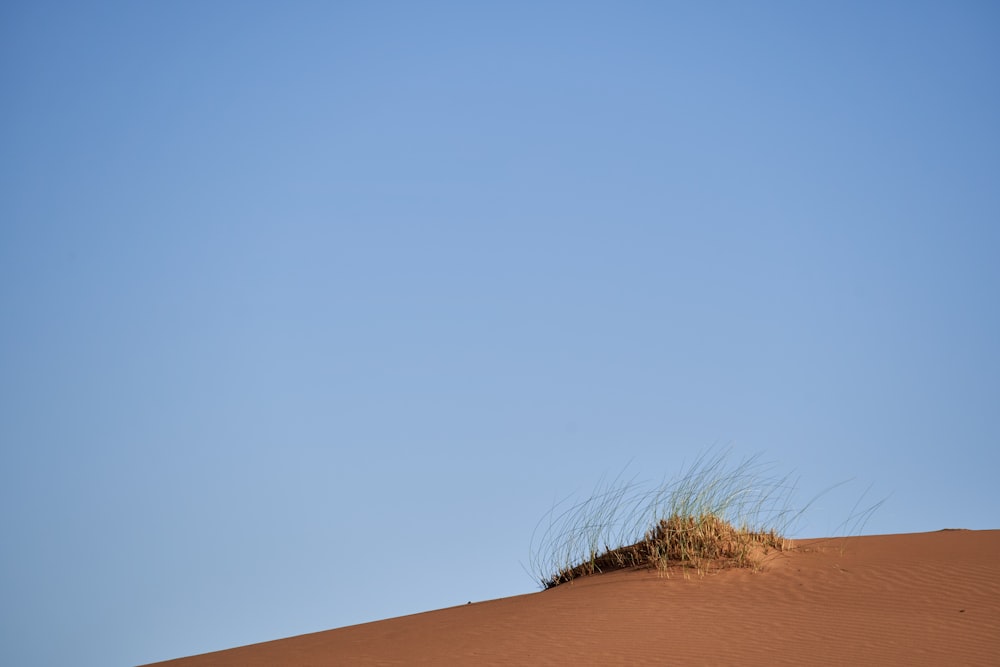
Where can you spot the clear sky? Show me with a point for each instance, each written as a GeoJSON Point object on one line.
{"type": "Point", "coordinates": [311, 310]}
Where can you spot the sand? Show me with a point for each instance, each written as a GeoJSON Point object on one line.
{"type": "Point", "coordinates": [913, 599]}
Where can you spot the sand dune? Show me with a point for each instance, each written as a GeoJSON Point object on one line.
{"type": "Point", "coordinates": [913, 599]}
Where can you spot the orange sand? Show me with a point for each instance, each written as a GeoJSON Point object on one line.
{"type": "Point", "coordinates": [915, 599]}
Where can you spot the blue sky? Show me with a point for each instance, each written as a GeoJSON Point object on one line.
{"type": "Point", "coordinates": [311, 311]}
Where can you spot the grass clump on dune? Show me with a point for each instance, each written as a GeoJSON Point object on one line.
{"type": "Point", "coordinates": [714, 515]}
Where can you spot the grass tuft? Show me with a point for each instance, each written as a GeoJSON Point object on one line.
{"type": "Point", "coordinates": [714, 515]}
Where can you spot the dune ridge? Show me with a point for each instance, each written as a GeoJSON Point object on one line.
{"type": "Point", "coordinates": [914, 599]}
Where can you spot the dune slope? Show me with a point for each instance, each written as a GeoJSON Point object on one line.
{"type": "Point", "coordinates": [913, 599]}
